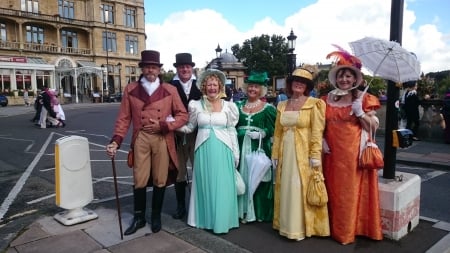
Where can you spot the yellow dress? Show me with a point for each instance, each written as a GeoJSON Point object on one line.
{"type": "Point", "coordinates": [297, 138]}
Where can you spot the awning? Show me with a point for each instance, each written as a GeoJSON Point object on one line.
{"type": "Point", "coordinates": [87, 64]}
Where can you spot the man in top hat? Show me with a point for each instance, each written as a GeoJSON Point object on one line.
{"type": "Point", "coordinates": [155, 110]}
{"type": "Point", "coordinates": [185, 82]}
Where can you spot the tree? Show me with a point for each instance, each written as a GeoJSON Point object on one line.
{"type": "Point", "coordinates": [263, 53]}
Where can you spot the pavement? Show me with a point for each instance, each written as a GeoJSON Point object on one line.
{"type": "Point", "coordinates": [102, 235]}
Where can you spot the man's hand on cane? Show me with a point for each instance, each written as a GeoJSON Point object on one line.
{"type": "Point", "coordinates": [111, 149]}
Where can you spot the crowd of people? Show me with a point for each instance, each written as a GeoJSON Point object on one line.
{"type": "Point", "coordinates": [190, 121]}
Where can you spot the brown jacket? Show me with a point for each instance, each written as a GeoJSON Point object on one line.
{"type": "Point", "coordinates": [164, 102]}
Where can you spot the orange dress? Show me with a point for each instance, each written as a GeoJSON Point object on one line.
{"type": "Point", "coordinates": [354, 206]}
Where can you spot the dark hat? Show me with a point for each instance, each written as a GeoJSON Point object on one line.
{"type": "Point", "coordinates": [149, 57]}
{"type": "Point", "coordinates": [183, 59]}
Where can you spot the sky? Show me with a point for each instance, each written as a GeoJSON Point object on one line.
{"type": "Point", "coordinates": [198, 26]}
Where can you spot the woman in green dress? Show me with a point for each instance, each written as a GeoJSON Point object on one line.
{"type": "Point", "coordinates": [256, 120]}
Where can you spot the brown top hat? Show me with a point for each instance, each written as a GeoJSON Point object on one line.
{"type": "Point", "coordinates": [183, 59]}
{"type": "Point", "coordinates": [149, 57]}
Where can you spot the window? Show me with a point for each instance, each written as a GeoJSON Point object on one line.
{"type": "Point", "coordinates": [109, 42]}
{"type": "Point", "coordinates": [23, 79]}
{"type": "Point", "coordinates": [129, 17]}
{"type": "Point", "coordinates": [69, 39]}
{"type": "Point", "coordinates": [42, 78]}
{"type": "Point", "coordinates": [35, 34]}
{"type": "Point", "coordinates": [131, 74]}
{"type": "Point", "coordinates": [30, 6]}
{"type": "Point", "coordinates": [131, 44]}
{"type": "Point", "coordinates": [66, 9]}
{"type": "Point", "coordinates": [2, 31]}
{"type": "Point", "coordinates": [107, 14]}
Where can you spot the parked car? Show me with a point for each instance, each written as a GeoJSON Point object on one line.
{"type": "Point", "coordinates": [3, 100]}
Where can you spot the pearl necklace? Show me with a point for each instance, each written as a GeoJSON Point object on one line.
{"type": "Point", "coordinates": [250, 105]}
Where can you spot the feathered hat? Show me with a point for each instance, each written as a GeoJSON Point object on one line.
{"type": "Point", "coordinates": [344, 59]}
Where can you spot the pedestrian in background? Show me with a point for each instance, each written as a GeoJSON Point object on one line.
{"type": "Point", "coordinates": [445, 112]}
{"type": "Point", "coordinates": [26, 97]}
{"type": "Point", "coordinates": [411, 105]}
{"type": "Point", "coordinates": [213, 201]}
{"type": "Point", "coordinates": [186, 84]}
{"type": "Point", "coordinates": [155, 110]}
{"type": "Point", "coordinates": [296, 152]}
{"type": "Point", "coordinates": [256, 121]}
{"type": "Point", "coordinates": [353, 194]}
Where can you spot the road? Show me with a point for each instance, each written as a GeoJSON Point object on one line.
{"type": "Point", "coordinates": [27, 175]}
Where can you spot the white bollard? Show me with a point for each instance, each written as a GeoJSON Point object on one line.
{"type": "Point", "coordinates": [73, 180]}
{"type": "Point", "coordinates": [400, 204]}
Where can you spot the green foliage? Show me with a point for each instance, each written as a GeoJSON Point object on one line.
{"type": "Point", "coordinates": [263, 53]}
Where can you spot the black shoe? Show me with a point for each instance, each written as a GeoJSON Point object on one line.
{"type": "Point", "coordinates": [138, 222]}
{"type": "Point", "coordinates": [181, 212]}
{"type": "Point", "coordinates": [156, 223]}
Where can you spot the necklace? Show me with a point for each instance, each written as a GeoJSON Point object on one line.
{"type": "Point", "coordinates": [252, 105]}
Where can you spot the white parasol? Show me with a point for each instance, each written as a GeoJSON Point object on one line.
{"type": "Point", "coordinates": [258, 164]}
{"type": "Point", "coordinates": [387, 59]}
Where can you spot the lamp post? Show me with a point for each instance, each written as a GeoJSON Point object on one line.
{"type": "Point", "coordinates": [107, 47]}
{"type": "Point", "coordinates": [104, 71]}
{"type": "Point", "coordinates": [218, 57]}
{"type": "Point", "coordinates": [291, 60]}
{"type": "Point", "coordinates": [119, 66]}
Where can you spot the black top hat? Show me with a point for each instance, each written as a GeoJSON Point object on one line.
{"type": "Point", "coordinates": [183, 59]}
{"type": "Point", "coordinates": [149, 57]}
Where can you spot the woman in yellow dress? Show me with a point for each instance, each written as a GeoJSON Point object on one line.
{"type": "Point", "coordinates": [296, 151]}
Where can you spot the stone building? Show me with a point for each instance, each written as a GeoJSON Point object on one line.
{"type": "Point", "coordinates": [79, 47]}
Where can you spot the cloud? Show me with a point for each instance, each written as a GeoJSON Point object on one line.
{"type": "Point", "coordinates": [317, 26]}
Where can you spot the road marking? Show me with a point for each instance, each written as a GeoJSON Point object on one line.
{"type": "Point", "coordinates": [22, 180]}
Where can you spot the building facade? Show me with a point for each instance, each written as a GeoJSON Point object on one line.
{"type": "Point", "coordinates": [82, 48]}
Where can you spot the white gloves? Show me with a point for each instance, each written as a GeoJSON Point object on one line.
{"type": "Point", "coordinates": [357, 107]}
{"type": "Point", "coordinates": [274, 163]}
{"type": "Point", "coordinates": [255, 134]}
{"type": "Point", "coordinates": [314, 162]}
{"type": "Point", "coordinates": [325, 147]}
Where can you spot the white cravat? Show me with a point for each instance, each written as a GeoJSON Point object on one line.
{"type": "Point", "coordinates": [186, 85]}
{"type": "Point", "coordinates": [150, 87]}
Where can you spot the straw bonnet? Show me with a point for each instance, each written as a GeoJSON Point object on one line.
{"type": "Point", "coordinates": [208, 73]}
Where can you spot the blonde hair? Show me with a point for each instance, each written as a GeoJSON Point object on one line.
{"type": "Point", "coordinates": [207, 78]}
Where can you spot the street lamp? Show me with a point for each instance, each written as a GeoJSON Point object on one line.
{"type": "Point", "coordinates": [104, 71]}
{"type": "Point", "coordinates": [218, 57]}
{"type": "Point", "coordinates": [291, 61]}
{"type": "Point", "coordinates": [107, 47]}
{"type": "Point", "coordinates": [119, 66]}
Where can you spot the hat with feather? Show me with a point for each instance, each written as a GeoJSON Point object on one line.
{"type": "Point", "coordinates": [344, 59]}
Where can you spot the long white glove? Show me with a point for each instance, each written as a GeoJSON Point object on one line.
{"type": "Point", "coordinates": [274, 163]}
{"type": "Point", "coordinates": [255, 134]}
{"type": "Point", "coordinates": [357, 107]}
{"type": "Point", "coordinates": [314, 162]}
{"type": "Point", "coordinates": [325, 147]}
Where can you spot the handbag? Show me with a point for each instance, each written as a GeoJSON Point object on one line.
{"type": "Point", "coordinates": [130, 158]}
{"type": "Point", "coordinates": [240, 185]}
{"type": "Point", "coordinates": [316, 194]}
{"type": "Point", "coordinates": [371, 156]}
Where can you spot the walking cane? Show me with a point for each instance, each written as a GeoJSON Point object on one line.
{"type": "Point", "coordinates": [117, 197]}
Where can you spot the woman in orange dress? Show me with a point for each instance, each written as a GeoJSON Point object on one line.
{"type": "Point", "coordinates": [354, 206]}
